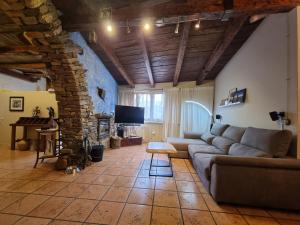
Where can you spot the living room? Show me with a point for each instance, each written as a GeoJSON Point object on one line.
{"type": "Point", "coordinates": [149, 112]}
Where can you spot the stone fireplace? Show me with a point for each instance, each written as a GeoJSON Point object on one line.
{"type": "Point", "coordinates": [105, 128]}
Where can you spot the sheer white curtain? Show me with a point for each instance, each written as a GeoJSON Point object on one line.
{"type": "Point", "coordinates": [175, 114]}
{"type": "Point", "coordinates": [194, 118]}
{"type": "Point", "coordinates": [126, 97]}
{"type": "Point", "coordinates": [202, 95]}
{"type": "Point", "coordinates": [144, 100]}
{"type": "Point", "coordinates": [172, 106]}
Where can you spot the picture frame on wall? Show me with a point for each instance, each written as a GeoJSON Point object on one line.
{"type": "Point", "coordinates": [16, 104]}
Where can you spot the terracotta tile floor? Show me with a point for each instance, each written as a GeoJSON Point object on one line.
{"type": "Point", "coordinates": [117, 190]}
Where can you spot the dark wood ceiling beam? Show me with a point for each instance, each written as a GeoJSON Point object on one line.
{"type": "Point", "coordinates": [101, 42]}
{"type": "Point", "coordinates": [146, 58]}
{"type": "Point", "coordinates": [23, 65]}
{"type": "Point", "coordinates": [19, 49]}
{"type": "Point", "coordinates": [182, 46]}
{"type": "Point", "coordinates": [210, 10]}
{"type": "Point", "coordinates": [229, 35]}
{"type": "Point", "coordinates": [18, 75]}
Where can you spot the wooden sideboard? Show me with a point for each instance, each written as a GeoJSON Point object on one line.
{"type": "Point", "coordinates": [130, 141]}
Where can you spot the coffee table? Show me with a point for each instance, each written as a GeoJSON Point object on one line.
{"type": "Point", "coordinates": [160, 148]}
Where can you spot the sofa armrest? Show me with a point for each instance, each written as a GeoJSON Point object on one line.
{"type": "Point", "coordinates": [276, 163]}
{"type": "Point", "coordinates": [192, 135]}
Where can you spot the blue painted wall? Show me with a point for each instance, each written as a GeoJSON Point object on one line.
{"type": "Point", "coordinates": [97, 76]}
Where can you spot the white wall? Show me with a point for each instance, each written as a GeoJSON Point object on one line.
{"type": "Point", "coordinates": [266, 66]}
{"type": "Point", "coordinates": [12, 83]}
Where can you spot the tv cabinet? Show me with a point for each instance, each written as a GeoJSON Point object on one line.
{"type": "Point", "coordinates": [130, 141]}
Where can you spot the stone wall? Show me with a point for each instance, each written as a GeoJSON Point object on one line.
{"type": "Point", "coordinates": [74, 103]}
{"type": "Point", "coordinates": [38, 20]}
{"type": "Point", "coordinates": [97, 76]}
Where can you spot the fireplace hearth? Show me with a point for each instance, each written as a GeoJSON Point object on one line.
{"type": "Point", "coordinates": [105, 128]}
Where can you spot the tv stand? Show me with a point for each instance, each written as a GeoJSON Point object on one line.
{"type": "Point", "coordinates": [132, 140]}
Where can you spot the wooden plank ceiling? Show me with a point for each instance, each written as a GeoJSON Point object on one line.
{"type": "Point", "coordinates": [18, 57]}
{"type": "Point", "coordinates": [163, 55]}
{"type": "Point", "coordinates": [163, 47]}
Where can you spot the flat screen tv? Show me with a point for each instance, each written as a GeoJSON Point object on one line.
{"type": "Point", "coordinates": [129, 114]}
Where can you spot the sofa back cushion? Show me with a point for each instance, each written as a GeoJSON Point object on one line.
{"type": "Point", "coordinates": [234, 133]}
{"type": "Point", "coordinates": [272, 142]}
{"type": "Point", "coordinates": [218, 129]}
{"type": "Point", "coordinates": [238, 149]}
{"type": "Point", "coordinates": [208, 137]}
{"type": "Point", "coordinates": [222, 144]}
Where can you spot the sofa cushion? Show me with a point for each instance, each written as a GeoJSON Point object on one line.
{"type": "Point", "coordinates": [181, 144]}
{"type": "Point", "coordinates": [238, 149]}
{"type": "Point", "coordinates": [202, 164]}
{"type": "Point", "coordinates": [234, 133]}
{"type": "Point", "coordinates": [218, 129]}
{"type": "Point", "coordinates": [192, 135]}
{"type": "Point", "coordinates": [272, 142]}
{"type": "Point", "coordinates": [207, 137]}
{"type": "Point", "coordinates": [222, 143]}
{"type": "Point", "coordinates": [207, 149]}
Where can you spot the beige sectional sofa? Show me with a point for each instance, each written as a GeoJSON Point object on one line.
{"type": "Point", "coordinates": [246, 166]}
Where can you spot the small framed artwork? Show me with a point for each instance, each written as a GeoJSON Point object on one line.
{"type": "Point", "coordinates": [241, 95]}
{"type": "Point", "coordinates": [16, 104]}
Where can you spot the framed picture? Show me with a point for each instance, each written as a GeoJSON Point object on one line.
{"type": "Point", "coordinates": [241, 95]}
{"type": "Point", "coordinates": [16, 104]}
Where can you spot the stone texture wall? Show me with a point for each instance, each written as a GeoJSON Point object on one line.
{"type": "Point", "coordinates": [97, 76]}
{"type": "Point", "coordinates": [39, 19]}
{"type": "Point", "coordinates": [74, 103]}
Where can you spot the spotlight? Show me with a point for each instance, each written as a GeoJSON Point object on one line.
{"type": "Point", "coordinates": [177, 29]}
{"type": "Point", "coordinates": [197, 25]}
{"type": "Point", "coordinates": [109, 27]}
{"type": "Point", "coordinates": [147, 25]}
{"type": "Point", "coordinates": [128, 28]}
{"type": "Point", "coordinates": [280, 116]}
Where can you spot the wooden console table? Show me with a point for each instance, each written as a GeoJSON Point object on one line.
{"type": "Point", "coordinates": [130, 141]}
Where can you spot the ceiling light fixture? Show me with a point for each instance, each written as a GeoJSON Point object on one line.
{"type": "Point", "coordinates": [177, 27]}
{"type": "Point", "coordinates": [109, 27]}
{"type": "Point", "coordinates": [147, 26]}
{"type": "Point", "coordinates": [128, 28]}
{"type": "Point", "coordinates": [197, 25]}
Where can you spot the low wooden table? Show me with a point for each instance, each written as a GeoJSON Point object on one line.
{"type": "Point", "coordinates": [160, 148]}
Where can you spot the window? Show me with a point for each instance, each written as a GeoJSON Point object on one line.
{"type": "Point", "coordinates": [153, 104]}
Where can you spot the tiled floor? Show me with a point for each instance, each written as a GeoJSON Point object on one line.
{"type": "Point", "coordinates": [115, 191]}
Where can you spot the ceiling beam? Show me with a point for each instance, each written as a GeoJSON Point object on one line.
{"type": "Point", "coordinates": [18, 49]}
{"type": "Point", "coordinates": [23, 65]}
{"type": "Point", "coordinates": [232, 30]}
{"type": "Point", "coordinates": [146, 59]}
{"type": "Point", "coordinates": [182, 46]}
{"type": "Point", "coordinates": [101, 42]}
{"type": "Point", "coordinates": [18, 75]}
{"type": "Point", "coordinates": [209, 10]}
